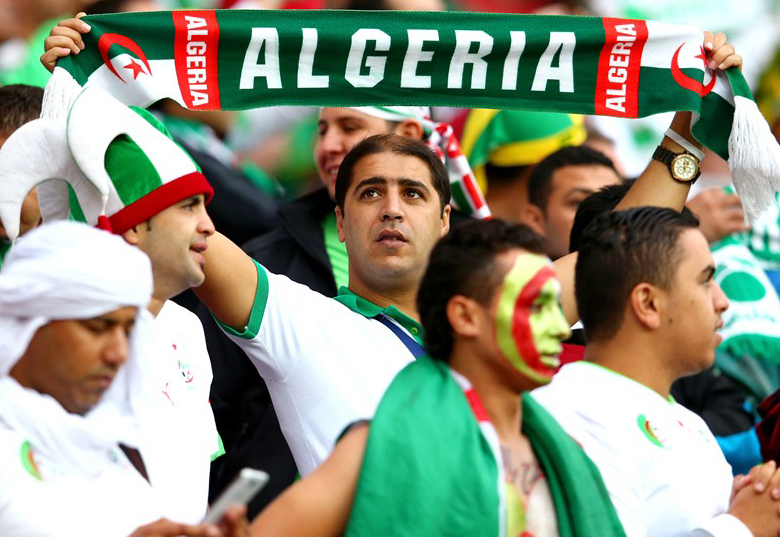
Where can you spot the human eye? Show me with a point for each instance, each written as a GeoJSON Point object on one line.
{"type": "Point", "coordinates": [129, 328]}
{"type": "Point", "coordinates": [414, 193]}
{"type": "Point", "coordinates": [369, 193]}
{"type": "Point", "coordinates": [191, 203]}
{"type": "Point", "coordinates": [96, 326]}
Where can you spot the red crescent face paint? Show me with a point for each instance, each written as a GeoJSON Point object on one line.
{"type": "Point", "coordinates": [529, 321]}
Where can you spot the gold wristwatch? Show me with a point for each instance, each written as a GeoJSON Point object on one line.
{"type": "Point", "coordinates": [684, 166]}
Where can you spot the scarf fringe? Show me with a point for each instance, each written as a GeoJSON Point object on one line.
{"type": "Point", "coordinates": [60, 93]}
{"type": "Point", "coordinates": [754, 158]}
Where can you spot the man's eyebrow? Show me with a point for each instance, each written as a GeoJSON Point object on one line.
{"type": "Point", "coordinates": [376, 180]}
{"type": "Point", "coordinates": [580, 190]}
{"type": "Point", "coordinates": [414, 183]}
{"type": "Point", "coordinates": [405, 182]}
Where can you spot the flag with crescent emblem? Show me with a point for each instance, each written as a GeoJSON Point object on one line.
{"type": "Point", "coordinates": [234, 60]}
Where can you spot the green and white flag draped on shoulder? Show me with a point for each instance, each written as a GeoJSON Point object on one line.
{"type": "Point", "coordinates": [432, 465]}
{"type": "Point", "coordinates": [232, 60]}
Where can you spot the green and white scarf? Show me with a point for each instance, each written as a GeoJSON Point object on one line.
{"type": "Point", "coordinates": [432, 465]}
{"type": "Point", "coordinates": [233, 60]}
{"type": "Point", "coordinates": [752, 321]}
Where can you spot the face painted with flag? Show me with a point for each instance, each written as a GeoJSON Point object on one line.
{"type": "Point", "coordinates": [529, 322]}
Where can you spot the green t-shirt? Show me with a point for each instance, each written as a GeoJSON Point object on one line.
{"type": "Point", "coordinates": [336, 250]}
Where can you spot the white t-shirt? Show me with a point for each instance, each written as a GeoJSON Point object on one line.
{"type": "Point", "coordinates": [660, 463]}
{"type": "Point", "coordinates": [37, 499]}
{"type": "Point", "coordinates": [177, 446]}
{"type": "Point", "coordinates": [325, 365]}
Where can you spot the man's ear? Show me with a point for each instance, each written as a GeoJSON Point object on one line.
{"type": "Point", "coordinates": [645, 303]}
{"type": "Point", "coordinates": [339, 223]}
{"type": "Point", "coordinates": [411, 128]}
{"type": "Point", "coordinates": [533, 216]}
{"type": "Point", "coordinates": [445, 220]}
{"type": "Point", "coordinates": [132, 236]}
{"type": "Point", "coordinates": [463, 315]}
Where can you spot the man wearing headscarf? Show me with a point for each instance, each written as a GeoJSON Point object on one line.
{"type": "Point", "coordinates": [72, 320]}
{"type": "Point", "coordinates": [128, 176]}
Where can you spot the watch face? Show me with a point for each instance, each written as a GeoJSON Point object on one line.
{"type": "Point", "coordinates": [684, 167]}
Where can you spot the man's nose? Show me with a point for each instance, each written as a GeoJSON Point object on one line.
{"type": "Point", "coordinates": [205, 225]}
{"type": "Point", "coordinates": [720, 300]}
{"type": "Point", "coordinates": [330, 141]}
{"type": "Point", "coordinates": [116, 348]}
{"type": "Point", "coordinates": [392, 209]}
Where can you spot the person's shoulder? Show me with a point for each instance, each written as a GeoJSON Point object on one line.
{"type": "Point", "coordinates": [17, 455]}
{"type": "Point", "coordinates": [172, 314]}
{"type": "Point", "coordinates": [10, 439]}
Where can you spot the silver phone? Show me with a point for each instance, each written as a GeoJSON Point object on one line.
{"type": "Point", "coordinates": [241, 490]}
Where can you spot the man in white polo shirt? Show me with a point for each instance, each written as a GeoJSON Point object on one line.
{"type": "Point", "coordinates": [328, 361]}
{"type": "Point", "coordinates": [655, 322]}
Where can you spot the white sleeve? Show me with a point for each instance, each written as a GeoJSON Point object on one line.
{"type": "Point", "coordinates": [289, 322]}
{"type": "Point", "coordinates": [724, 525]}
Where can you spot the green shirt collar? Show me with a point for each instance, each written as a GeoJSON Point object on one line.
{"type": "Point", "coordinates": [370, 310]}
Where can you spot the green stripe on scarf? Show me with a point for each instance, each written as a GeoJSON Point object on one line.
{"type": "Point", "coordinates": [428, 470]}
{"type": "Point", "coordinates": [232, 60]}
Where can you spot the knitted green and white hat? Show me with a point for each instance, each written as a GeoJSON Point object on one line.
{"type": "Point", "coordinates": [133, 153]}
{"type": "Point", "coordinates": [36, 155]}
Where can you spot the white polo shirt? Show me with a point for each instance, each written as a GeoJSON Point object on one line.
{"type": "Point", "coordinates": [660, 463]}
{"type": "Point", "coordinates": [325, 361]}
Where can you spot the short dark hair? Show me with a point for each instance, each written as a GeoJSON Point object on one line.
{"type": "Point", "coordinates": [463, 263]}
{"type": "Point", "coordinates": [603, 200]}
{"type": "Point", "coordinates": [540, 183]}
{"type": "Point", "coordinates": [19, 104]}
{"type": "Point", "coordinates": [400, 145]}
{"type": "Point", "coordinates": [505, 175]}
{"type": "Point", "coordinates": [618, 251]}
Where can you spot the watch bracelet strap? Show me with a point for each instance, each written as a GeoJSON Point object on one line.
{"type": "Point", "coordinates": [688, 146]}
{"type": "Point", "coordinates": [666, 156]}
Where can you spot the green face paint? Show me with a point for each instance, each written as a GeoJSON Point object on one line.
{"type": "Point", "coordinates": [529, 321]}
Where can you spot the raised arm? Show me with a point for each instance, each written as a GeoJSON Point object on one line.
{"type": "Point", "coordinates": [231, 282]}
{"type": "Point", "coordinates": [655, 187]}
{"type": "Point", "coordinates": [319, 505]}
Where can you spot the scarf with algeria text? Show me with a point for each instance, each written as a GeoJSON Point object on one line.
{"type": "Point", "coordinates": [234, 60]}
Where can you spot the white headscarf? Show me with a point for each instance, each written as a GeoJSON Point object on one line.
{"type": "Point", "coordinates": [67, 270]}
